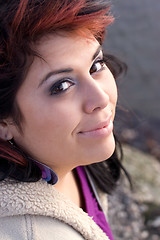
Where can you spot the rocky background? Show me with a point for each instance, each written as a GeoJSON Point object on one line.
{"type": "Point", "coordinates": [135, 39]}
{"type": "Point", "coordinates": [135, 214]}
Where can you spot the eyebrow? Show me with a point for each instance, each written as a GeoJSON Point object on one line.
{"type": "Point", "coordinates": [66, 70]}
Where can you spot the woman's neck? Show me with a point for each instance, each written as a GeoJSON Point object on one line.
{"type": "Point", "coordinates": [69, 185]}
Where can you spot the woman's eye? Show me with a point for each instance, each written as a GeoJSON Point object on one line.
{"type": "Point", "coordinates": [97, 66]}
{"type": "Point", "coordinates": [61, 86]}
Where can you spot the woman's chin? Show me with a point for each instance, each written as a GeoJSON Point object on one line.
{"type": "Point", "coordinates": [102, 152]}
{"type": "Point", "coordinates": [108, 149]}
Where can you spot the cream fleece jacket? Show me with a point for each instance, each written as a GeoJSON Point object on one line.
{"type": "Point", "coordinates": [38, 211]}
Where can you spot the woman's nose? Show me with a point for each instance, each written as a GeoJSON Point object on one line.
{"type": "Point", "coordinates": [95, 96]}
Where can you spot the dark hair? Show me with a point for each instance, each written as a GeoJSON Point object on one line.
{"type": "Point", "coordinates": [23, 22]}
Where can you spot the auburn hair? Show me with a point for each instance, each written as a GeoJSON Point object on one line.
{"type": "Point", "coordinates": [22, 23]}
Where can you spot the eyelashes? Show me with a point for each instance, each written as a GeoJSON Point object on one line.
{"type": "Point", "coordinates": [65, 84]}
{"type": "Point", "coordinates": [61, 86]}
{"type": "Point", "coordinates": [97, 66]}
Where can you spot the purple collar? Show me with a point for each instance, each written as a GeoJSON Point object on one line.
{"type": "Point", "coordinates": [91, 204]}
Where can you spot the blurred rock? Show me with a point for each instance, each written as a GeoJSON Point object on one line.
{"type": "Point", "coordinates": [135, 215]}
{"type": "Point", "coordinates": [145, 172]}
{"type": "Point", "coordinates": [134, 129]}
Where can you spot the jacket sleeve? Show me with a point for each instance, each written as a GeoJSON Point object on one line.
{"type": "Point", "coordinates": [30, 227]}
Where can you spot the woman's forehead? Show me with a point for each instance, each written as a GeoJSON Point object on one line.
{"type": "Point", "coordinates": [60, 42]}
{"type": "Point", "coordinates": [62, 51]}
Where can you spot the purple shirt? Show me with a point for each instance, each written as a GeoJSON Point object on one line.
{"type": "Point", "coordinates": [91, 204]}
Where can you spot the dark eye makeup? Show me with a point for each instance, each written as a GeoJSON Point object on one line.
{"type": "Point", "coordinates": [61, 86]}
{"type": "Point", "coordinates": [64, 84]}
{"type": "Point", "coordinates": [97, 66]}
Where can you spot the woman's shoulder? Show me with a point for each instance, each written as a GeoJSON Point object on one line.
{"type": "Point", "coordinates": [41, 206]}
{"type": "Point", "coordinates": [19, 198]}
{"type": "Point", "coordinates": [36, 227]}
{"type": "Point", "coordinates": [33, 211]}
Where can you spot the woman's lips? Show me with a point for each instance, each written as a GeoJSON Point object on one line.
{"type": "Point", "coordinates": [101, 129]}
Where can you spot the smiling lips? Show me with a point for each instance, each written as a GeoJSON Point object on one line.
{"type": "Point", "coordinates": [102, 129]}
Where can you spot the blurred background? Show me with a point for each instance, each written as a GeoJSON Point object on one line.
{"type": "Point", "coordinates": [135, 39]}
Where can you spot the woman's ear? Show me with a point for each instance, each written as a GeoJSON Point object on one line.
{"type": "Point", "coordinates": [5, 132]}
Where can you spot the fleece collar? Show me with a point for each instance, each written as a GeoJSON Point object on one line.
{"type": "Point", "coordinates": [40, 198]}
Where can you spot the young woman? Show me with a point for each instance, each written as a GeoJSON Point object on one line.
{"type": "Point", "coordinates": [57, 105]}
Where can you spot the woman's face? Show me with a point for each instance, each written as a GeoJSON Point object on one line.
{"type": "Point", "coordinates": [68, 101]}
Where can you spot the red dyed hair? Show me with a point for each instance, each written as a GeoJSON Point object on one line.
{"type": "Point", "coordinates": [23, 22]}
{"type": "Point", "coordinates": [49, 16]}
{"type": "Point", "coordinates": [9, 152]}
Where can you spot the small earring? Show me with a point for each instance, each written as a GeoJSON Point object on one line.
{"type": "Point", "coordinates": [10, 141]}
